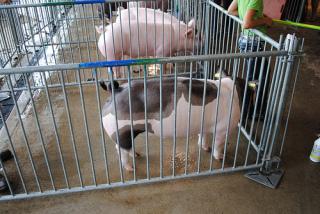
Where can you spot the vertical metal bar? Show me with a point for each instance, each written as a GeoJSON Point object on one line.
{"type": "Point", "coordinates": [70, 38]}
{"type": "Point", "coordinates": [146, 118]}
{"type": "Point", "coordinates": [130, 34]}
{"type": "Point", "coordinates": [232, 39]}
{"type": "Point", "coordinates": [189, 121]}
{"type": "Point", "coordinates": [300, 13]}
{"type": "Point", "coordinates": [241, 112]}
{"type": "Point", "coordinates": [104, 30]}
{"type": "Point", "coordinates": [101, 127]}
{"type": "Point", "coordinates": [229, 121]}
{"type": "Point", "coordinates": [138, 27]}
{"type": "Point", "coordinates": [215, 37]}
{"type": "Point", "coordinates": [74, 146]}
{"type": "Point", "coordinates": [95, 39]}
{"type": "Point", "coordinates": [206, 64]}
{"type": "Point", "coordinates": [131, 124]}
{"type": "Point", "coordinates": [78, 34]}
{"type": "Point", "coordinates": [3, 169]}
{"type": "Point", "coordinates": [86, 34]}
{"type": "Point", "coordinates": [161, 121]}
{"type": "Point", "coordinates": [44, 150]}
{"type": "Point", "coordinates": [224, 38]}
{"type": "Point", "coordinates": [216, 120]}
{"type": "Point", "coordinates": [236, 70]}
{"type": "Point", "coordinates": [86, 128]}
{"type": "Point", "coordinates": [34, 43]}
{"type": "Point", "coordinates": [174, 122]}
{"type": "Point", "coordinates": [228, 41]}
{"type": "Point", "coordinates": [24, 134]}
{"type": "Point", "coordinates": [15, 157]}
{"type": "Point", "coordinates": [122, 50]}
{"type": "Point", "coordinates": [116, 118]}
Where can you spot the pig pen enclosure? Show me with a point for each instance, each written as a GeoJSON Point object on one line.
{"type": "Point", "coordinates": [53, 113]}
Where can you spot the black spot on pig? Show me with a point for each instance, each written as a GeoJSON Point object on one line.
{"type": "Point", "coordinates": [125, 134]}
{"type": "Point", "coordinates": [153, 98]}
{"type": "Point", "coordinates": [240, 87]}
{"type": "Point", "coordinates": [198, 90]}
{"type": "Point", "coordinates": [109, 86]}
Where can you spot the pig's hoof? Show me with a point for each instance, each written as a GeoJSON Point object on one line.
{"type": "Point", "coordinates": [218, 156]}
{"type": "Point", "coordinates": [207, 149]}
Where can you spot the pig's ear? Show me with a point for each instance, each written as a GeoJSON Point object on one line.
{"type": "Point", "coordinates": [192, 24]}
{"type": "Point", "coordinates": [189, 33]}
{"type": "Point", "coordinates": [99, 29]}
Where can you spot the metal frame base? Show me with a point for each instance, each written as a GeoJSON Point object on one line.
{"type": "Point", "coordinates": [271, 179]}
{"type": "Point", "coordinates": [4, 97]}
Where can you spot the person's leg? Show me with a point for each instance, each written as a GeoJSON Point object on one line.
{"type": "Point", "coordinates": [253, 70]}
{"type": "Point", "coordinates": [262, 96]}
{"type": "Point", "coordinates": [245, 46]}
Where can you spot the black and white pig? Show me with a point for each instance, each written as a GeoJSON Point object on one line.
{"type": "Point", "coordinates": [121, 94]}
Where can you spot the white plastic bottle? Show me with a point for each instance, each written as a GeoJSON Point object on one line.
{"type": "Point", "coordinates": [315, 154]}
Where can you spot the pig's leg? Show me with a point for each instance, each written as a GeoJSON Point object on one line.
{"type": "Point", "coordinates": [112, 50]}
{"type": "Point", "coordinates": [117, 70]}
{"type": "Point", "coordinates": [125, 160]}
{"type": "Point", "coordinates": [126, 146]}
{"type": "Point", "coordinates": [219, 146]}
{"type": "Point", "coordinates": [205, 145]}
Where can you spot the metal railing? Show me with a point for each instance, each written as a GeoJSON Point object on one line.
{"type": "Point", "coordinates": [294, 10]}
{"type": "Point", "coordinates": [63, 127]}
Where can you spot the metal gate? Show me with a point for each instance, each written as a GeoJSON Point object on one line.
{"type": "Point", "coordinates": [62, 128]}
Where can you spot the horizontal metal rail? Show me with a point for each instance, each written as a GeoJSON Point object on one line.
{"type": "Point", "coordinates": [150, 61]}
{"type": "Point", "coordinates": [128, 183]}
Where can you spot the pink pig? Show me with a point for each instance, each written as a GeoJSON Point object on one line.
{"type": "Point", "coordinates": [150, 33]}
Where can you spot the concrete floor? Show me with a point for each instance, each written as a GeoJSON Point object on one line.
{"type": "Point", "coordinates": [299, 191]}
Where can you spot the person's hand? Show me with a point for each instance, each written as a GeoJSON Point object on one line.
{"type": "Point", "coordinates": [267, 20]}
{"type": "Point", "coordinates": [5, 1]}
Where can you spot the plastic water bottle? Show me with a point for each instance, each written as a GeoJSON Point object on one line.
{"type": "Point", "coordinates": [315, 154]}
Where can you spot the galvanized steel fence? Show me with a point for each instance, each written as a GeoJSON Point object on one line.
{"type": "Point", "coordinates": [294, 10]}
{"type": "Point", "coordinates": [55, 126]}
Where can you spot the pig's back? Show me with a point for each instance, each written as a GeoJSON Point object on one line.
{"type": "Point", "coordinates": [150, 39]}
